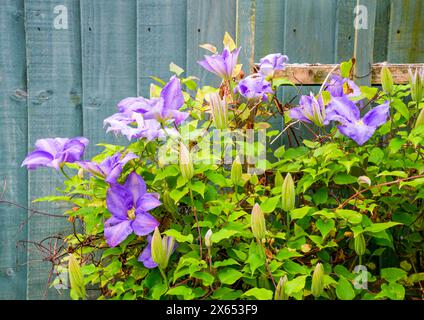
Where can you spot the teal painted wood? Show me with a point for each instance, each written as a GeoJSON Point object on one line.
{"type": "Point", "coordinates": [13, 146]}
{"type": "Point", "coordinates": [161, 28]}
{"type": "Point", "coordinates": [245, 32]}
{"type": "Point", "coordinates": [345, 32]}
{"type": "Point", "coordinates": [381, 33]}
{"type": "Point", "coordinates": [364, 50]}
{"type": "Point", "coordinates": [54, 110]}
{"type": "Point", "coordinates": [207, 22]}
{"type": "Point", "coordinates": [109, 60]}
{"type": "Point", "coordinates": [406, 35]}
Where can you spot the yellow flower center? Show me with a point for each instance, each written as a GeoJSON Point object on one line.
{"type": "Point", "coordinates": [131, 214]}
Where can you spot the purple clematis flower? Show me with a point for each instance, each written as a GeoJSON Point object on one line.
{"type": "Point", "coordinates": [310, 110]}
{"type": "Point", "coordinates": [221, 64]}
{"type": "Point", "coordinates": [344, 111]}
{"type": "Point", "coordinates": [146, 254]}
{"type": "Point", "coordinates": [272, 62]}
{"type": "Point", "coordinates": [55, 152]}
{"type": "Point", "coordinates": [129, 205]}
{"type": "Point", "coordinates": [110, 168]}
{"type": "Point", "coordinates": [339, 87]}
{"type": "Point", "coordinates": [254, 86]}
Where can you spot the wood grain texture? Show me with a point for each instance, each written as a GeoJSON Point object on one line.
{"type": "Point", "coordinates": [109, 63]}
{"type": "Point", "coordinates": [54, 110]}
{"type": "Point", "coordinates": [161, 29]}
{"type": "Point", "coordinates": [207, 21]}
{"type": "Point", "coordinates": [406, 33]}
{"type": "Point", "coordinates": [315, 74]}
{"type": "Point", "coordinates": [245, 32]}
{"type": "Point", "coordinates": [381, 32]}
{"type": "Point", "coordinates": [13, 146]}
{"type": "Point", "coordinates": [345, 32]}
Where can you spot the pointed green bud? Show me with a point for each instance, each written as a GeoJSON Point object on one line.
{"type": "Point", "coordinates": [236, 172]}
{"type": "Point", "coordinates": [258, 223]}
{"type": "Point", "coordinates": [219, 111]}
{"type": "Point", "coordinates": [186, 164]}
{"type": "Point", "coordinates": [280, 293]}
{"type": "Point", "coordinates": [420, 119]}
{"type": "Point", "coordinates": [168, 202]}
{"type": "Point", "coordinates": [288, 195]}
{"type": "Point", "coordinates": [208, 240]}
{"type": "Point", "coordinates": [75, 277]}
{"type": "Point", "coordinates": [416, 81]}
{"type": "Point", "coordinates": [359, 244]}
{"type": "Point", "coordinates": [318, 280]}
{"type": "Point", "coordinates": [158, 253]}
{"type": "Point", "coordinates": [386, 80]}
{"type": "Point", "coordinates": [278, 180]}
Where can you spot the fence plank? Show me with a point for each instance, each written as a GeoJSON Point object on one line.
{"type": "Point", "coordinates": [54, 109]}
{"type": "Point", "coordinates": [381, 33]}
{"type": "Point", "coordinates": [207, 22]}
{"type": "Point", "coordinates": [13, 146]}
{"type": "Point", "coordinates": [406, 34]}
{"type": "Point", "coordinates": [108, 63]}
{"type": "Point", "coordinates": [245, 32]}
{"type": "Point", "coordinates": [161, 26]}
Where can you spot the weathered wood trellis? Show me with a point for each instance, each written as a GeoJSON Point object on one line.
{"type": "Point", "coordinates": [65, 82]}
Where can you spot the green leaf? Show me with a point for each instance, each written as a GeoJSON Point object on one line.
{"type": "Point", "coordinates": [325, 226]}
{"type": "Point", "coordinates": [349, 215]}
{"type": "Point", "coordinates": [206, 278]}
{"type": "Point", "coordinates": [259, 293]}
{"type": "Point", "coordinates": [179, 236]}
{"type": "Point", "coordinates": [294, 268]}
{"type": "Point", "coordinates": [175, 69]}
{"type": "Point", "coordinates": [281, 82]}
{"type": "Point", "coordinates": [396, 144]}
{"type": "Point", "coordinates": [223, 234]}
{"type": "Point", "coordinates": [344, 178]}
{"type": "Point", "coordinates": [345, 68]}
{"type": "Point", "coordinates": [225, 293]}
{"type": "Point", "coordinates": [368, 92]}
{"type": "Point", "coordinates": [378, 227]}
{"type": "Point", "coordinates": [295, 285]}
{"type": "Point", "coordinates": [181, 291]}
{"type": "Point", "coordinates": [229, 275]}
{"type": "Point", "coordinates": [224, 263]}
{"type": "Point", "coordinates": [344, 290]}
{"type": "Point", "coordinates": [376, 155]}
{"type": "Point", "coordinates": [393, 274]}
{"type": "Point", "coordinates": [199, 187]}
{"type": "Point", "coordinates": [285, 254]}
{"type": "Point", "coordinates": [256, 257]}
{"type": "Point", "coordinates": [299, 213]}
{"type": "Point", "coordinates": [176, 194]}
{"type": "Point", "coordinates": [270, 204]}
{"type": "Point", "coordinates": [217, 178]}
{"type": "Point", "coordinates": [400, 107]}
{"type": "Point", "coordinates": [393, 173]}
{"type": "Point", "coordinates": [321, 196]}
{"type": "Point", "coordinates": [393, 291]}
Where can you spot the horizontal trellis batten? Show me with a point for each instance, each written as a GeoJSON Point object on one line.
{"type": "Point", "coordinates": [65, 81]}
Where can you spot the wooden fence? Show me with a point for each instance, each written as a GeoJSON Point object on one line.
{"type": "Point", "coordinates": [57, 81]}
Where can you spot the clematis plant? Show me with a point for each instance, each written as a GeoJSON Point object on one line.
{"type": "Point", "coordinates": [342, 189]}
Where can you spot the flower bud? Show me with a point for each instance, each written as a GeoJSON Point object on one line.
{"type": "Point", "coordinates": [168, 202]}
{"type": "Point", "coordinates": [288, 196]}
{"type": "Point", "coordinates": [161, 249]}
{"type": "Point", "coordinates": [318, 280]}
{"type": "Point", "coordinates": [359, 244]}
{"type": "Point", "coordinates": [81, 173]}
{"type": "Point", "coordinates": [420, 119]}
{"type": "Point", "coordinates": [75, 277]}
{"type": "Point", "coordinates": [386, 80]}
{"type": "Point", "coordinates": [278, 180]}
{"type": "Point", "coordinates": [186, 164]}
{"type": "Point", "coordinates": [280, 290]}
{"type": "Point", "coordinates": [236, 172]}
{"type": "Point", "coordinates": [258, 222]}
{"type": "Point", "coordinates": [416, 81]}
{"type": "Point", "coordinates": [219, 110]}
{"type": "Point", "coordinates": [208, 240]}
{"type": "Point", "coordinates": [364, 181]}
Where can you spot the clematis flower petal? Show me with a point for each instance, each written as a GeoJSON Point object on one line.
{"type": "Point", "coordinates": [146, 255]}
{"type": "Point", "coordinates": [136, 185]}
{"type": "Point", "coordinates": [147, 202]}
{"type": "Point", "coordinates": [343, 110]}
{"type": "Point", "coordinates": [144, 223]}
{"type": "Point", "coordinates": [116, 231]}
{"type": "Point", "coordinates": [172, 95]}
{"type": "Point", "coordinates": [118, 201]}
{"type": "Point", "coordinates": [360, 133]}
{"type": "Point", "coordinates": [378, 115]}
{"type": "Point", "coordinates": [37, 159]}
{"type": "Point", "coordinates": [221, 64]}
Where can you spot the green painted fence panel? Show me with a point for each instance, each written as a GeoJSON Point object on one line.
{"type": "Point", "coordinates": [207, 21]}
{"type": "Point", "coordinates": [54, 110]}
{"type": "Point", "coordinates": [161, 28]}
{"type": "Point", "coordinates": [65, 81]}
{"type": "Point", "coordinates": [109, 60]}
{"type": "Point", "coordinates": [13, 146]}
